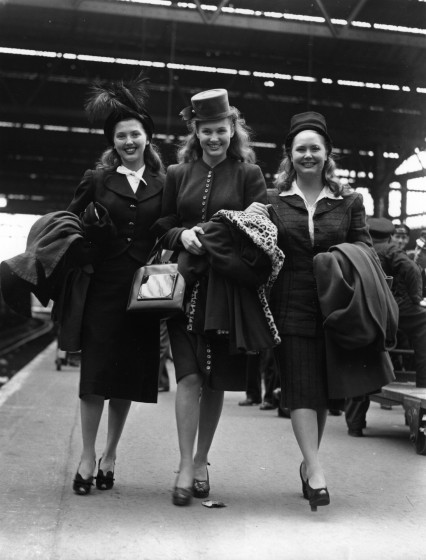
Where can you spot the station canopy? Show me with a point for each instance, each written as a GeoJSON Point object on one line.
{"type": "Point", "coordinates": [359, 62]}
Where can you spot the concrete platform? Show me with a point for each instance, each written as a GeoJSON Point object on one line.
{"type": "Point", "coordinates": [377, 485]}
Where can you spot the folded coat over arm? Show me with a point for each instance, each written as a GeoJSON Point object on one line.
{"type": "Point", "coordinates": [360, 319]}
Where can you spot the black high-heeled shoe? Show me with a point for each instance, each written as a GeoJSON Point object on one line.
{"type": "Point", "coordinates": [201, 488]}
{"type": "Point", "coordinates": [104, 481]}
{"type": "Point", "coordinates": [304, 488]}
{"type": "Point", "coordinates": [182, 496]}
{"type": "Point", "coordinates": [82, 486]}
{"type": "Point", "coordinates": [317, 496]}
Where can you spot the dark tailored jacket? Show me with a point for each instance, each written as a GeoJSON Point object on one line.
{"type": "Point", "coordinates": [360, 319]}
{"type": "Point", "coordinates": [226, 295]}
{"type": "Point", "coordinates": [132, 214]}
{"type": "Point", "coordinates": [407, 278]}
{"type": "Point", "coordinates": [194, 192]}
{"type": "Point", "coordinates": [293, 299]}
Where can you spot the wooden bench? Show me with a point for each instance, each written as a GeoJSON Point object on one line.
{"type": "Point", "coordinates": [404, 392]}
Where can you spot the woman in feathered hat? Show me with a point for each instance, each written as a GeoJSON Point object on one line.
{"type": "Point", "coordinates": [216, 171]}
{"type": "Point", "coordinates": [120, 351]}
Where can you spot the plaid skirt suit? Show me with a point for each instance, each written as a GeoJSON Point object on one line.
{"type": "Point", "coordinates": [294, 301]}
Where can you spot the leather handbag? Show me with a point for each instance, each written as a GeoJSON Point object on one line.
{"type": "Point", "coordinates": [157, 288]}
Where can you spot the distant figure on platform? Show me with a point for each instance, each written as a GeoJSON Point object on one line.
{"type": "Point", "coordinates": [401, 236]}
{"type": "Point", "coordinates": [261, 367]}
{"type": "Point", "coordinates": [407, 290]}
{"type": "Point", "coordinates": [120, 351]}
{"type": "Point", "coordinates": [419, 257]}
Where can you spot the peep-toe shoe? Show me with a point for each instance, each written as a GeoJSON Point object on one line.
{"type": "Point", "coordinates": [82, 486]}
{"type": "Point", "coordinates": [104, 481]}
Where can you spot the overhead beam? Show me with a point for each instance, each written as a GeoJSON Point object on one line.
{"type": "Point", "coordinates": [327, 18]}
{"type": "Point", "coordinates": [129, 9]}
{"type": "Point", "coordinates": [356, 11]}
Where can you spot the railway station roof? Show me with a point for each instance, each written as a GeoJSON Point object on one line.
{"type": "Point", "coordinates": [359, 62]}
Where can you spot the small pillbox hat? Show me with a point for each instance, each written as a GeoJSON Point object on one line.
{"type": "Point", "coordinates": [310, 120]}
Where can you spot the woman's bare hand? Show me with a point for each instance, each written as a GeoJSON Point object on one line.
{"type": "Point", "coordinates": [191, 242]}
{"type": "Point", "coordinates": [258, 208]}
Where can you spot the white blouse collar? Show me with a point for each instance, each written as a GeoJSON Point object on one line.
{"type": "Point", "coordinates": [326, 192]}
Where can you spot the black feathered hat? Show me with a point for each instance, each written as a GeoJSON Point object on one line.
{"type": "Point", "coordinates": [118, 101]}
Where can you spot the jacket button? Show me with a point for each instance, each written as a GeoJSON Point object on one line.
{"type": "Point", "coordinates": [131, 223]}
{"type": "Point", "coordinates": [133, 206]}
{"type": "Point", "coordinates": [128, 239]}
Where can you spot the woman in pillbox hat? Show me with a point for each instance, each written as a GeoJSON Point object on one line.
{"type": "Point", "coordinates": [313, 212]}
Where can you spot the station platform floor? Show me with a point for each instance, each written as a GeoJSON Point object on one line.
{"type": "Point", "coordinates": [377, 484]}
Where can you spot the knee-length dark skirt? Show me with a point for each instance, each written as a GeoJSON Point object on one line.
{"type": "Point", "coordinates": [303, 373]}
{"type": "Point", "coordinates": [210, 358]}
{"type": "Point", "coordinates": [120, 351]}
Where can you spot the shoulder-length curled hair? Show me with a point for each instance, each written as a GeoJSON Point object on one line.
{"type": "Point", "coordinates": [239, 147]}
{"type": "Point", "coordinates": [110, 159]}
{"type": "Point", "coordinates": [287, 174]}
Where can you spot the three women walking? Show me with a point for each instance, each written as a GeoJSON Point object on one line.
{"type": "Point", "coordinates": [215, 177]}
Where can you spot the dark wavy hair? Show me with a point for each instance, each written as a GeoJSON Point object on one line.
{"type": "Point", "coordinates": [286, 173]}
{"type": "Point", "coordinates": [110, 160]}
{"type": "Point", "coordinates": [239, 147]}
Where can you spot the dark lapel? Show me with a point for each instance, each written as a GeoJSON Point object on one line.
{"type": "Point", "coordinates": [281, 203]}
{"type": "Point", "coordinates": [327, 204]}
{"type": "Point", "coordinates": [153, 186]}
{"type": "Point", "coordinates": [294, 200]}
{"type": "Point", "coordinates": [119, 184]}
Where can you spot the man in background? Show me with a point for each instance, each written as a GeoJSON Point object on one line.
{"type": "Point", "coordinates": [407, 290]}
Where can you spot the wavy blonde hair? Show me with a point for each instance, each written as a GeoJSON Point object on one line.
{"type": "Point", "coordinates": [239, 147]}
{"type": "Point", "coordinates": [286, 173]}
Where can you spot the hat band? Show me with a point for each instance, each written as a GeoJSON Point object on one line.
{"type": "Point", "coordinates": [214, 117]}
{"type": "Point", "coordinates": [188, 114]}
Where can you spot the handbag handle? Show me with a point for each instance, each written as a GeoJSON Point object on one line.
{"type": "Point", "coordinates": [154, 256]}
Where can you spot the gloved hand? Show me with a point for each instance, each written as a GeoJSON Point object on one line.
{"type": "Point", "coordinates": [97, 225]}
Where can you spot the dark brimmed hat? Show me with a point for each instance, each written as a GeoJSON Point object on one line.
{"type": "Point", "coordinates": [209, 105]}
{"type": "Point", "coordinates": [307, 121]}
{"type": "Point", "coordinates": [380, 228]}
{"type": "Point", "coordinates": [402, 229]}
